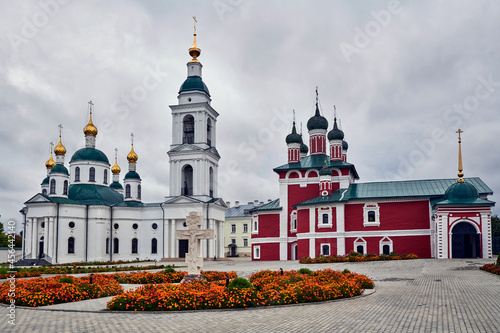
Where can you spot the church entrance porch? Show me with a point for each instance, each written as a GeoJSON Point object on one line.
{"type": "Point", "coordinates": [465, 241]}
{"type": "Point", "coordinates": [183, 247]}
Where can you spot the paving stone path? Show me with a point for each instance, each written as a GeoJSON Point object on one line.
{"type": "Point", "coordinates": [422, 295]}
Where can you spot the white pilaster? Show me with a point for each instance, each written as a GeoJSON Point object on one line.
{"type": "Point", "coordinates": [34, 238]}
{"type": "Point", "coordinates": [46, 239]}
{"type": "Point", "coordinates": [28, 237]}
{"type": "Point", "coordinates": [166, 232]}
{"type": "Point", "coordinates": [486, 235]}
{"type": "Point", "coordinates": [211, 252]}
{"type": "Point", "coordinates": [340, 217]}
{"type": "Point", "coordinates": [173, 241]}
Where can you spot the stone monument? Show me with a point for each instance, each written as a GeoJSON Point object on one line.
{"type": "Point", "coordinates": [194, 235]}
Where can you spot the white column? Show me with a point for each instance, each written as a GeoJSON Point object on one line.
{"type": "Point", "coordinates": [211, 241]}
{"type": "Point", "coordinates": [340, 218]}
{"type": "Point", "coordinates": [220, 240]}
{"type": "Point", "coordinates": [46, 239]}
{"type": "Point", "coordinates": [173, 241]}
{"type": "Point", "coordinates": [486, 235]}
{"type": "Point", "coordinates": [28, 237]}
{"type": "Point", "coordinates": [51, 237]}
{"type": "Point", "coordinates": [34, 239]}
{"type": "Point", "coordinates": [166, 230]}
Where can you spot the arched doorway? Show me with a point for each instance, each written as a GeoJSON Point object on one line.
{"type": "Point", "coordinates": [465, 241]}
{"type": "Point", "coordinates": [40, 248]}
{"type": "Point", "coordinates": [233, 250]}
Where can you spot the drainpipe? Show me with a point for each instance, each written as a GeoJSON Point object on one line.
{"type": "Point", "coordinates": [163, 228]}
{"type": "Point", "coordinates": [110, 247]}
{"type": "Point", "coordinates": [57, 233]}
{"type": "Point", "coordinates": [86, 232]}
{"type": "Point", "coordinates": [208, 225]}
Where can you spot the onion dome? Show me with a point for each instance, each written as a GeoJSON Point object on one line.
{"type": "Point", "coordinates": [194, 83]}
{"type": "Point", "coordinates": [50, 163]}
{"type": "Point", "coordinates": [115, 169]}
{"type": "Point", "coordinates": [59, 168]}
{"type": "Point", "coordinates": [461, 192]}
{"type": "Point", "coordinates": [345, 146]}
{"type": "Point", "coordinates": [303, 148]}
{"type": "Point", "coordinates": [317, 121]}
{"type": "Point", "coordinates": [335, 133]}
{"type": "Point", "coordinates": [293, 137]}
{"type": "Point", "coordinates": [89, 154]}
{"type": "Point", "coordinates": [90, 129]}
{"type": "Point", "coordinates": [116, 186]}
{"type": "Point", "coordinates": [60, 149]}
{"type": "Point", "coordinates": [325, 171]}
{"type": "Point", "coordinates": [194, 51]}
{"type": "Point", "coordinates": [132, 175]}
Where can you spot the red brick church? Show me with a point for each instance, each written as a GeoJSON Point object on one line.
{"type": "Point", "coordinates": [322, 210]}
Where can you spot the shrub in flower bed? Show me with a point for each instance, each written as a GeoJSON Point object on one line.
{"type": "Point", "coordinates": [266, 288]}
{"type": "Point", "coordinates": [166, 276]}
{"type": "Point", "coordinates": [492, 268]}
{"type": "Point", "coordinates": [356, 257]}
{"type": "Point", "coordinates": [59, 289]}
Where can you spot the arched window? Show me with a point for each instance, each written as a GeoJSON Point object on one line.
{"type": "Point", "coordinates": [386, 249]}
{"type": "Point", "coordinates": [71, 245]}
{"type": "Point", "coordinates": [139, 192]}
{"type": "Point", "coordinates": [105, 176]}
{"type": "Point", "coordinates": [187, 178]}
{"type": "Point", "coordinates": [92, 174]}
{"type": "Point", "coordinates": [325, 218]}
{"type": "Point", "coordinates": [154, 245]}
{"type": "Point", "coordinates": [77, 174]}
{"type": "Point", "coordinates": [116, 245]}
{"type": "Point", "coordinates": [188, 129]}
{"type": "Point", "coordinates": [107, 245]}
{"type": "Point", "coordinates": [134, 245]}
{"type": "Point", "coordinates": [44, 191]}
{"type": "Point", "coordinates": [65, 188]}
{"type": "Point", "coordinates": [209, 132]}
{"type": "Point", "coordinates": [211, 181]}
{"type": "Point", "coordinates": [52, 186]}
{"type": "Point", "coordinates": [371, 216]}
{"type": "Point", "coordinates": [127, 191]}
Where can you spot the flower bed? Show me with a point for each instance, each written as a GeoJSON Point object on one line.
{"type": "Point", "coordinates": [59, 289]}
{"type": "Point", "coordinates": [166, 277]}
{"type": "Point", "coordinates": [268, 288]}
{"type": "Point", "coordinates": [492, 268]}
{"type": "Point", "coordinates": [356, 257]}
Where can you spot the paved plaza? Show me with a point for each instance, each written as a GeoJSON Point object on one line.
{"type": "Point", "coordinates": [424, 295]}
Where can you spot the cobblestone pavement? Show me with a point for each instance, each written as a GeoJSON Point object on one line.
{"type": "Point", "coordinates": [423, 295]}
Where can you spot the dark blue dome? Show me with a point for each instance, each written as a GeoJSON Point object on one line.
{"type": "Point", "coordinates": [132, 175]}
{"type": "Point", "coordinates": [116, 186]}
{"type": "Point", "coordinates": [461, 192]}
{"type": "Point", "coordinates": [90, 154]}
{"type": "Point", "coordinates": [303, 148]}
{"type": "Point", "coordinates": [293, 137]}
{"type": "Point", "coordinates": [345, 146]}
{"type": "Point", "coordinates": [317, 121]}
{"type": "Point", "coordinates": [59, 168]}
{"type": "Point", "coordinates": [335, 133]}
{"type": "Point", "coordinates": [194, 83]}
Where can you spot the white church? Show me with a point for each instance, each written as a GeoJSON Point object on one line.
{"type": "Point", "coordinates": [84, 214]}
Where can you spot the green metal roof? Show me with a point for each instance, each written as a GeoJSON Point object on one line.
{"type": "Point", "coordinates": [431, 188]}
{"type": "Point", "coordinates": [194, 83]}
{"type": "Point", "coordinates": [59, 168]}
{"type": "Point", "coordinates": [132, 175]}
{"type": "Point", "coordinates": [273, 205]}
{"type": "Point", "coordinates": [45, 181]}
{"type": "Point", "coordinates": [316, 162]}
{"type": "Point", "coordinates": [90, 194]}
{"type": "Point", "coordinates": [90, 154]}
{"type": "Point", "coordinates": [116, 185]}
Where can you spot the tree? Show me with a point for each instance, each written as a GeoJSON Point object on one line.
{"type": "Point", "coordinates": [495, 225]}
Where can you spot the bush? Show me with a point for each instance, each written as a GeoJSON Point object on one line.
{"type": "Point", "coordinates": [169, 269]}
{"type": "Point", "coordinates": [346, 271]}
{"type": "Point", "coordinates": [66, 279]}
{"type": "Point", "coordinates": [498, 260]}
{"type": "Point", "coordinates": [305, 271]}
{"type": "Point", "coordinates": [239, 283]}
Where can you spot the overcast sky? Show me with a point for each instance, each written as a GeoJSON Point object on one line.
{"type": "Point", "coordinates": [404, 76]}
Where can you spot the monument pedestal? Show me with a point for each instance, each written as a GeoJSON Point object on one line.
{"type": "Point", "coordinates": [188, 278]}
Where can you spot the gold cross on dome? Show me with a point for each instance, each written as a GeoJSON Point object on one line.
{"type": "Point", "coordinates": [51, 146]}
{"type": "Point", "coordinates": [194, 18]}
{"type": "Point", "coordinates": [60, 129]}
{"type": "Point", "coordinates": [132, 138]}
{"type": "Point", "coordinates": [459, 132]}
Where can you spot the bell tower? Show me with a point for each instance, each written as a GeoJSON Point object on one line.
{"type": "Point", "coordinates": [193, 156]}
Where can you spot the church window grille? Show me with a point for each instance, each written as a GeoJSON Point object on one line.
{"type": "Point", "coordinates": [77, 174]}
{"type": "Point", "coordinates": [105, 176]}
{"type": "Point", "coordinates": [116, 245]}
{"type": "Point", "coordinates": [187, 177]}
{"type": "Point", "coordinates": [154, 245]}
{"type": "Point", "coordinates": [92, 174]}
{"type": "Point", "coordinates": [52, 186]}
{"type": "Point", "coordinates": [65, 187]}
{"type": "Point", "coordinates": [139, 192]}
{"type": "Point", "coordinates": [134, 245]}
{"type": "Point", "coordinates": [127, 191]}
{"type": "Point", "coordinates": [188, 129]}
{"type": "Point", "coordinates": [71, 245]}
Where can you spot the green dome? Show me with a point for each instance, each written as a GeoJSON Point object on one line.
{"type": "Point", "coordinates": [461, 193]}
{"type": "Point", "coordinates": [116, 186]}
{"type": "Point", "coordinates": [317, 121]}
{"type": "Point", "coordinates": [59, 168]}
{"type": "Point", "coordinates": [90, 154]}
{"type": "Point", "coordinates": [132, 175]}
{"type": "Point", "coordinates": [45, 181]}
{"type": "Point", "coordinates": [194, 83]}
{"type": "Point", "coordinates": [344, 145]}
{"type": "Point", "coordinates": [93, 194]}
{"type": "Point", "coordinates": [293, 137]}
{"type": "Point", "coordinates": [335, 133]}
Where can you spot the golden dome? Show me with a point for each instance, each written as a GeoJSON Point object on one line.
{"type": "Point", "coordinates": [90, 129]}
{"type": "Point", "coordinates": [115, 169]}
{"type": "Point", "coordinates": [59, 149]}
{"type": "Point", "coordinates": [132, 156]}
{"type": "Point", "coordinates": [50, 163]}
{"type": "Point", "coordinates": [194, 51]}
